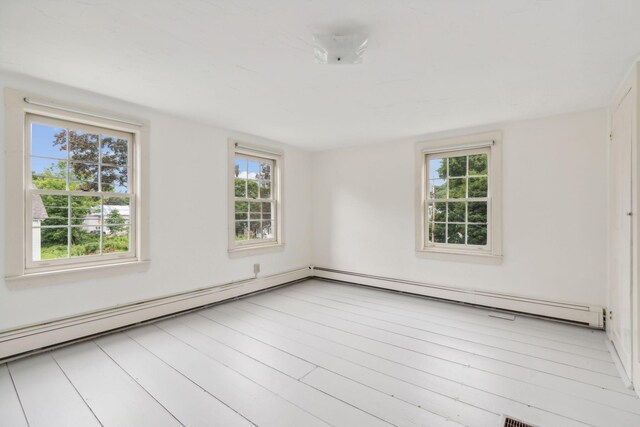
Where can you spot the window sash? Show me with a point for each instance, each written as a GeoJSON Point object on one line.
{"type": "Point", "coordinates": [428, 200]}
{"type": "Point", "coordinates": [246, 154]}
{"type": "Point", "coordinates": [272, 221]}
{"type": "Point", "coordinates": [101, 258]}
{"type": "Point", "coordinates": [71, 260]}
{"type": "Point", "coordinates": [429, 243]}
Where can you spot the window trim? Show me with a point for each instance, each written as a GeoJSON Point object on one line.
{"type": "Point", "coordinates": [492, 253]}
{"type": "Point", "coordinates": [19, 272]}
{"type": "Point", "coordinates": [260, 152]}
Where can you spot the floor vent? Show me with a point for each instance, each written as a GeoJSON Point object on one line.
{"type": "Point", "coordinates": [512, 422]}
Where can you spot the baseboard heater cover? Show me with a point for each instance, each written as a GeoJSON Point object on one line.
{"type": "Point", "coordinates": [26, 339]}
{"type": "Point", "coordinates": [590, 315]}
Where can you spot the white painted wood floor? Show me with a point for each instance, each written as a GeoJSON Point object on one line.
{"type": "Point", "coordinates": [319, 353]}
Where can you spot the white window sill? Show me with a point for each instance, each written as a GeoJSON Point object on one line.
{"type": "Point", "coordinates": [457, 255]}
{"type": "Point", "coordinates": [240, 251]}
{"type": "Point", "coordinates": [74, 274]}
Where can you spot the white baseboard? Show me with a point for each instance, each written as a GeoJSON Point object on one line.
{"type": "Point", "coordinates": [590, 315]}
{"type": "Point", "coordinates": [26, 339]}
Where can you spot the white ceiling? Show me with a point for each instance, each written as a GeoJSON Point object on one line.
{"type": "Point", "coordinates": [248, 65]}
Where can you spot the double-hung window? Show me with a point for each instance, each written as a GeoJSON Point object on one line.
{"type": "Point", "coordinates": [79, 193]}
{"type": "Point", "coordinates": [75, 190]}
{"type": "Point", "coordinates": [459, 182]}
{"type": "Point", "coordinates": [255, 198]}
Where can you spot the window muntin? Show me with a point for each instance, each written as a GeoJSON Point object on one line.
{"type": "Point", "coordinates": [80, 201]}
{"type": "Point", "coordinates": [255, 204]}
{"type": "Point", "coordinates": [458, 199]}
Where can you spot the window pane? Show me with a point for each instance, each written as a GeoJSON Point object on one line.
{"type": "Point", "coordinates": [255, 230]}
{"type": "Point", "coordinates": [456, 233]}
{"type": "Point", "coordinates": [253, 169]}
{"type": "Point", "coordinates": [47, 210]}
{"type": "Point", "coordinates": [477, 212]}
{"type": "Point", "coordinates": [50, 243]}
{"type": "Point", "coordinates": [83, 147]}
{"type": "Point", "coordinates": [477, 235]}
{"type": "Point", "coordinates": [242, 230]}
{"type": "Point", "coordinates": [458, 166]}
{"type": "Point", "coordinates": [48, 141]}
{"type": "Point", "coordinates": [478, 187]}
{"type": "Point", "coordinates": [240, 168]}
{"type": "Point", "coordinates": [115, 179]}
{"type": "Point", "coordinates": [116, 212]}
{"type": "Point", "coordinates": [85, 210]}
{"type": "Point", "coordinates": [266, 211]}
{"type": "Point", "coordinates": [438, 189]}
{"type": "Point", "coordinates": [265, 189]}
{"type": "Point", "coordinates": [242, 207]}
{"type": "Point", "coordinates": [115, 239]}
{"type": "Point", "coordinates": [267, 229]}
{"type": "Point", "coordinates": [241, 187]}
{"type": "Point", "coordinates": [252, 189]}
{"type": "Point", "coordinates": [49, 174]}
{"type": "Point", "coordinates": [85, 240]}
{"type": "Point", "coordinates": [242, 210]}
{"type": "Point", "coordinates": [437, 168]}
{"type": "Point", "coordinates": [457, 188]}
{"type": "Point", "coordinates": [83, 176]}
{"type": "Point", "coordinates": [436, 233]}
{"type": "Point", "coordinates": [115, 151]}
{"type": "Point", "coordinates": [255, 210]}
{"type": "Point", "coordinates": [436, 212]}
{"type": "Point", "coordinates": [456, 212]}
{"type": "Point", "coordinates": [264, 180]}
{"type": "Point", "coordinates": [478, 164]}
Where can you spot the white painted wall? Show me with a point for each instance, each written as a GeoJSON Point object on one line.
{"type": "Point", "coordinates": [555, 207]}
{"type": "Point", "coordinates": [188, 229]}
{"type": "Point", "coordinates": [349, 209]}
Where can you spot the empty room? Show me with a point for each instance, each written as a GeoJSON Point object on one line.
{"type": "Point", "coordinates": [320, 213]}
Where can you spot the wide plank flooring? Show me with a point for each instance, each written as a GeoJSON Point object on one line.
{"type": "Point", "coordinates": [320, 353]}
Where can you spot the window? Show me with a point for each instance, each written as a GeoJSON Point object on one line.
{"type": "Point", "coordinates": [255, 213]}
{"type": "Point", "coordinates": [75, 191]}
{"type": "Point", "coordinates": [78, 187]}
{"type": "Point", "coordinates": [459, 181]}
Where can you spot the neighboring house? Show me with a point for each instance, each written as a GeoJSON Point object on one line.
{"type": "Point", "coordinates": [38, 213]}
{"type": "Point", "coordinates": [93, 221]}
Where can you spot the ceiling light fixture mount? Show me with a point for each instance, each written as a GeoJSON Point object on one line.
{"type": "Point", "coordinates": [337, 49]}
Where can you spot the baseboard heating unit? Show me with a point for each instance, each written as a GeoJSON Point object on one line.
{"type": "Point", "coordinates": [588, 315]}
{"type": "Point", "coordinates": [20, 341]}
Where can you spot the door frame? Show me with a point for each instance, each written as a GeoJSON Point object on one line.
{"type": "Point", "coordinates": [629, 87]}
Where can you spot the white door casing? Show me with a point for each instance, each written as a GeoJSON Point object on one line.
{"type": "Point", "coordinates": [621, 242]}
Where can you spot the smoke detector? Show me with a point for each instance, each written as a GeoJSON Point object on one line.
{"type": "Point", "coordinates": [335, 49]}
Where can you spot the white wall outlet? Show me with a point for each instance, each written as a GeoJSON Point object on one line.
{"type": "Point", "coordinates": [256, 269]}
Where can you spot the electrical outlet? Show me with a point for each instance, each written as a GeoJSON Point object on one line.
{"type": "Point", "coordinates": [256, 269]}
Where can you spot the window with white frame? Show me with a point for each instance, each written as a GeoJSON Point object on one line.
{"type": "Point", "coordinates": [460, 196]}
{"type": "Point", "coordinates": [256, 200]}
{"type": "Point", "coordinates": [76, 192]}
{"type": "Point", "coordinates": [80, 193]}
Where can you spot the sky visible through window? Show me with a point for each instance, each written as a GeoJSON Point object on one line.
{"type": "Point", "coordinates": [49, 156]}
{"type": "Point", "coordinates": [250, 170]}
